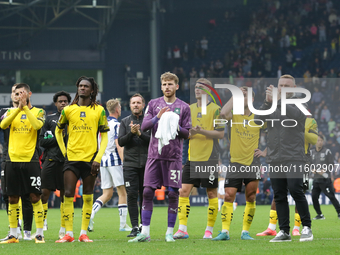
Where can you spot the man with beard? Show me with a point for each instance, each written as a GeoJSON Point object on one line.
{"type": "Point", "coordinates": [164, 164]}
{"type": "Point", "coordinates": [25, 205]}
{"type": "Point", "coordinates": [22, 163]}
{"type": "Point", "coordinates": [135, 143]}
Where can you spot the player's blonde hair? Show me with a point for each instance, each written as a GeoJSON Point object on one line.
{"type": "Point", "coordinates": [204, 81]}
{"type": "Point", "coordinates": [169, 77]}
{"type": "Point", "coordinates": [112, 105]}
{"type": "Point", "coordinates": [288, 76]}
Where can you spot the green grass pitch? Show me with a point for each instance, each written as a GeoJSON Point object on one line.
{"type": "Point", "coordinates": [108, 240]}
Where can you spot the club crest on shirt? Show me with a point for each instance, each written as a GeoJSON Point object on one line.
{"type": "Point", "coordinates": [82, 114]}
{"type": "Point", "coordinates": [23, 117]}
{"type": "Point", "coordinates": [177, 110]}
{"type": "Point", "coordinates": [199, 115]}
{"type": "Point", "coordinates": [322, 157]}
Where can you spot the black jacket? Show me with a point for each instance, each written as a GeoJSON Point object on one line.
{"type": "Point", "coordinates": [48, 141]}
{"type": "Point", "coordinates": [6, 136]}
{"type": "Point", "coordinates": [284, 143]}
{"type": "Point", "coordinates": [135, 147]}
{"type": "Point", "coordinates": [322, 160]}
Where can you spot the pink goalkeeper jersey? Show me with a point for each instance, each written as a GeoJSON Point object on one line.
{"type": "Point", "coordinates": [173, 151]}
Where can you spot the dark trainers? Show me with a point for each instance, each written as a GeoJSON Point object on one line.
{"type": "Point", "coordinates": [134, 232]}
{"type": "Point", "coordinates": [281, 237]}
{"type": "Point", "coordinates": [319, 217]}
{"type": "Point", "coordinates": [306, 234]}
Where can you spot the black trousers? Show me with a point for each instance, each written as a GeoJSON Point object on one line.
{"type": "Point", "coordinates": [294, 183]}
{"type": "Point", "coordinates": [27, 212]}
{"type": "Point", "coordinates": [134, 179]}
{"type": "Point", "coordinates": [327, 188]}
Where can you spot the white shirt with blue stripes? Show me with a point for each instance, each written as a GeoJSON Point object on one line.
{"type": "Point", "coordinates": [111, 156]}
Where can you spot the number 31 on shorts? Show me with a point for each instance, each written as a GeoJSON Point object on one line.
{"type": "Point", "coordinates": [175, 175]}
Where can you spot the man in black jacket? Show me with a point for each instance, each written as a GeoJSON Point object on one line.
{"type": "Point", "coordinates": [321, 156]}
{"type": "Point", "coordinates": [135, 143]}
{"type": "Point", "coordinates": [286, 153]}
{"type": "Point", "coordinates": [52, 177]}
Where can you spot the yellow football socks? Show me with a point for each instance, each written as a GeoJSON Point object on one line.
{"type": "Point", "coordinates": [248, 215]}
{"type": "Point", "coordinates": [68, 213]}
{"type": "Point", "coordinates": [273, 217]}
{"type": "Point", "coordinates": [20, 209]}
{"type": "Point", "coordinates": [13, 215]}
{"type": "Point", "coordinates": [297, 221]}
{"type": "Point", "coordinates": [87, 209]}
{"type": "Point", "coordinates": [227, 215]}
{"type": "Point", "coordinates": [212, 211]}
{"type": "Point", "coordinates": [38, 212]}
{"type": "Point", "coordinates": [62, 215]}
{"type": "Point", "coordinates": [45, 206]}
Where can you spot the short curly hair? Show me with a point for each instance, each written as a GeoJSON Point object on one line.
{"type": "Point", "coordinates": [61, 93]}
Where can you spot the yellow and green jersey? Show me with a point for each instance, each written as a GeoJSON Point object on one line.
{"type": "Point", "coordinates": [244, 139]}
{"type": "Point", "coordinates": [202, 148]}
{"type": "Point", "coordinates": [23, 138]}
{"type": "Point", "coordinates": [84, 123]}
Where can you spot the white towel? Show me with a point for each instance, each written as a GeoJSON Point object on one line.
{"type": "Point", "coordinates": [167, 129]}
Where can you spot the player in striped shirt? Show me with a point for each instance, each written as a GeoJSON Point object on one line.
{"type": "Point", "coordinates": [111, 169]}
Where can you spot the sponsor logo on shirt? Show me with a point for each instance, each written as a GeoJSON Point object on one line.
{"type": "Point", "coordinates": [83, 127]}
{"type": "Point", "coordinates": [22, 129]}
{"type": "Point", "coordinates": [244, 134]}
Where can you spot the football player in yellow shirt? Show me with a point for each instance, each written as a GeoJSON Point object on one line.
{"type": "Point", "coordinates": [244, 139]}
{"type": "Point", "coordinates": [203, 153]}
{"type": "Point", "coordinates": [84, 118]}
{"type": "Point", "coordinates": [22, 163]}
